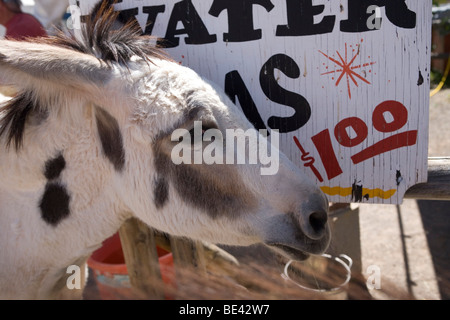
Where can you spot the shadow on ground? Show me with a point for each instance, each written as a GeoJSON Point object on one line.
{"type": "Point", "coordinates": [436, 223]}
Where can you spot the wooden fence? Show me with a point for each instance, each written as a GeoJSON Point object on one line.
{"type": "Point", "coordinates": [139, 241]}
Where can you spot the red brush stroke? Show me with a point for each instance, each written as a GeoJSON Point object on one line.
{"type": "Point", "coordinates": [347, 69]}
{"type": "Point", "coordinates": [403, 139]}
{"type": "Point", "coordinates": [309, 161]}
{"type": "Point", "coordinates": [322, 141]}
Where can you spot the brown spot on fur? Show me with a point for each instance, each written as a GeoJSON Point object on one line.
{"type": "Point", "coordinates": [161, 192]}
{"type": "Point", "coordinates": [218, 190]}
{"type": "Point", "coordinates": [54, 167]}
{"type": "Point", "coordinates": [111, 138]}
{"type": "Point", "coordinates": [54, 204]}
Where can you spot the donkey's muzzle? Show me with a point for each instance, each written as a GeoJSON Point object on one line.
{"type": "Point", "coordinates": [304, 234]}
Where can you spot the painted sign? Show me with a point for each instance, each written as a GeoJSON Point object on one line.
{"type": "Point", "coordinates": [346, 82]}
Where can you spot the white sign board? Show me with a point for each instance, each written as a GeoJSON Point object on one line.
{"type": "Point", "coordinates": [346, 82]}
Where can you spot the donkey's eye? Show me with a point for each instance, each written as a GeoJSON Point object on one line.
{"type": "Point", "coordinates": [198, 131]}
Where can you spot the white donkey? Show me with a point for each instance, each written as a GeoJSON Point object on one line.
{"type": "Point", "coordinates": [86, 144]}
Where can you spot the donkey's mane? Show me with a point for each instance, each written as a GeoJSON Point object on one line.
{"type": "Point", "coordinates": [14, 115]}
{"type": "Point", "coordinates": [100, 38]}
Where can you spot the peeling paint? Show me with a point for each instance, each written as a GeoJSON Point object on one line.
{"type": "Point", "coordinates": [357, 192]}
{"type": "Point", "coordinates": [398, 177]}
{"type": "Point", "coordinates": [420, 80]}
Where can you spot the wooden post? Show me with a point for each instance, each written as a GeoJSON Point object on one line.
{"type": "Point", "coordinates": [141, 257]}
{"type": "Point", "coordinates": [139, 241]}
{"type": "Point", "coordinates": [215, 257]}
{"type": "Point", "coordinates": [187, 253]}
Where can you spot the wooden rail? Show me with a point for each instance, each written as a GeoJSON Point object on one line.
{"type": "Point", "coordinates": [139, 241]}
{"type": "Point", "coordinates": [438, 185]}
{"type": "Point", "coordinates": [139, 244]}
{"type": "Point", "coordinates": [141, 257]}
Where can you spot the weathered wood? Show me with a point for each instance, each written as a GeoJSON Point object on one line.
{"type": "Point", "coordinates": [139, 241]}
{"type": "Point", "coordinates": [214, 255]}
{"type": "Point", "coordinates": [141, 257]}
{"type": "Point", "coordinates": [187, 253]}
{"type": "Point", "coordinates": [438, 185]}
{"type": "Point", "coordinates": [139, 245]}
{"type": "Point", "coordinates": [217, 256]}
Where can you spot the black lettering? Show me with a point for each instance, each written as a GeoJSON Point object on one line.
{"type": "Point", "coordinates": [240, 18]}
{"type": "Point", "coordinates": [396, 11]}
{"type": "Point", "coordinates": [125, 15]}
{"type": "Point", "coordinates": [358, 16]}
{"type": "Point", "coordinates": [300, 16]}
{"type": "Point", "coordinates": [277, 94]}
{"type": "Point", "coordinates": [235, 87]}
{"type": "Point", "coordinates": [152, 12]}
{"type": "Point", "coordinates": [185, 12]}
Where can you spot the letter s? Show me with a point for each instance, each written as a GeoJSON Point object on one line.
{"type": "Point", "coordinates": [277, 94]}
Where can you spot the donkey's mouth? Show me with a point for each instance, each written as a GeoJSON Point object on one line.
{"type": "Point", "coordinates": [289, 252]}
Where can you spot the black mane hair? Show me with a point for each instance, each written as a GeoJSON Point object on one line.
{"type": "Point", "coordinates": [100, 38]}
{"type": "Point", "coordinates": [16, 112]}
{"type": "Point", "coordinates": [103, 38]}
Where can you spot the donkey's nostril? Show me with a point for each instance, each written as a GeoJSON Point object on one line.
{"type": "Point", "coordinates": [318, 221]}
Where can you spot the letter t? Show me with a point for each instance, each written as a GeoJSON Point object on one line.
{"type": "Point", "coordinates": [240, 18]}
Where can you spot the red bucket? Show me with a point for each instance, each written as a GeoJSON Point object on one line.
{"type": "Point", "coordinates": [110, 270]}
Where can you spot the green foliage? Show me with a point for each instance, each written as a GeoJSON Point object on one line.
{"type": "Point", "coordinates": [436, 77]}
{"type": "Point", "coordinates": [438, 2]}
{"type": "Point", "coordinates": [444, 25]}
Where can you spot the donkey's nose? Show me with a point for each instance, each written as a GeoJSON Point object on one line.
{"type": "Point", "coordinates": [317, 225]}
{"type": "Point", "coordinates": [312, 217]}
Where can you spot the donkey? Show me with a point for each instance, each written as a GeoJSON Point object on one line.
{"type": "Point", "coordinates": [86, 144]}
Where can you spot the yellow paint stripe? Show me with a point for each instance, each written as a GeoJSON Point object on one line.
{"type": "Point", "coordinates": [344, 192]}
{"type": "Point", "coordinates": [379, 193]}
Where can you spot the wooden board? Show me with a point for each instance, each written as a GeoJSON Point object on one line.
{"type": "Point", "coordinates": [346, 83]}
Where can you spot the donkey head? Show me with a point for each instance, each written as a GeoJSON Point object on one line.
{"type": "Point", "coordinates": [152, 120]}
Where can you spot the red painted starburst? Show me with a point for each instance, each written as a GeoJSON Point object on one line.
{"type": "Point", "coordinates": [346, 69]}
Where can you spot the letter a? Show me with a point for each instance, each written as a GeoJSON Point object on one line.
{"type": "Point", "coordinates": [74, 280]}
{"type": "Point", "coordinates": [374, 279]}
{"type": "Point", "coordinates": [374, 21]}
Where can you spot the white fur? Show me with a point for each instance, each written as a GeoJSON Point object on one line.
{"type": "Point", "coordinates": [146, 100]}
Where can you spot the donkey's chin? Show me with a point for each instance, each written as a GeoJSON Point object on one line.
{"type": "Point", "coordinates": [289, 252]}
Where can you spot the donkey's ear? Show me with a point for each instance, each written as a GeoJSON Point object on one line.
{"type": "Point", "coordinates": [32, 64]}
